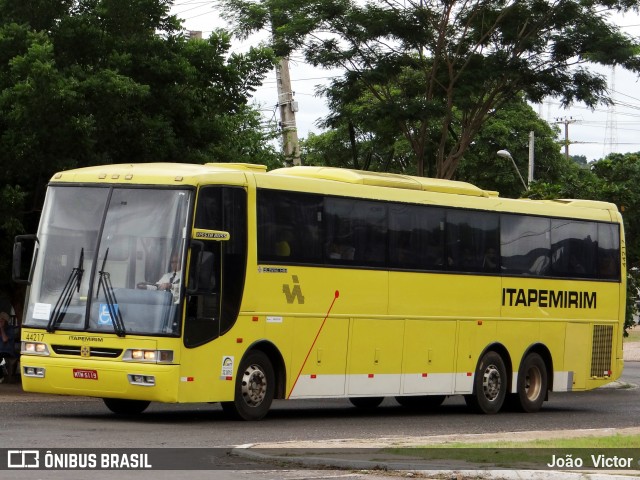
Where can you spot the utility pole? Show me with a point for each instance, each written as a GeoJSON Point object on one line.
{"type": "Point", "coordinates": [566, 122]}
{"type": "Point", "coordinates": [611, 129]}
{"type": "Point", "coordinates": [532, 140]}
{"type": "Point", "coordinates": [288, 108]}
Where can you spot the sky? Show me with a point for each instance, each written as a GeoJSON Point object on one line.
{"type": "Point", "coordinates": [592, 133]}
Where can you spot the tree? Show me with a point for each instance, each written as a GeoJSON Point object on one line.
{"type": "Point", "coordinates": [437, 70]}
{"type": "Point", "coordinates": [354, 140]}
{"type": "Point", "coordinates": [508, 128]}
{"type": "Point", "coordinates": [580, 160]}
{"type": "Point", "coordinates": [85, 82]}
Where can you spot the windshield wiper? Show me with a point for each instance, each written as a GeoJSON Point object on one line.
{"type": "Point", "coordinates": [110, 298]}
{"type": "Point", "coordinates": [73, 282]}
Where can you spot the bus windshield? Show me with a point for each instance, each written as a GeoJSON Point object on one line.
{"type": "Point", "coordinates": [110, 260]}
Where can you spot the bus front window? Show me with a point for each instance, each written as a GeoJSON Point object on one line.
{"type": "Point", "coordinates": [126, 237]}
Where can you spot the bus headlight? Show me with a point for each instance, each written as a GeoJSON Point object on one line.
{"type": "Point", "coordinates": [34, 348]}
{"type": "Point", "coordinates": [150, 356]}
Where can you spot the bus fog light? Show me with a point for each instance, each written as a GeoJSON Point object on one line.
{"type": "Point", "coordinates": [37, 372]}
{"type": "Point", "coordinates": [145, 380]}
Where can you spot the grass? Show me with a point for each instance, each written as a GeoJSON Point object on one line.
{"type": "Point", "coordinates": [634, 335]}
{"type": "Point", "coordinates": [611, 441]}
{"type": "Point", "coordinates": [518, 455]}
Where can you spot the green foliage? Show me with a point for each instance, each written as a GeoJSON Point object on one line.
{"type": "Point", "coordinates": [580, 160]}
{"type": "Point", "coordinates": [11, 203]}
{"type": "Point", "coordinates": [86, 82]}
{"type": "Point", "coordinates": [359, 137]}
{"type": "Point", "coordinates": [509, 128]}
{"type": "Point", "coordinates": [434, 72]}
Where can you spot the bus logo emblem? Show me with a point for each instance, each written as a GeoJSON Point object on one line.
{"type": "Point", "coordinates": [294, 293]}
{"type": "Point", "coordinates": [85, 351]}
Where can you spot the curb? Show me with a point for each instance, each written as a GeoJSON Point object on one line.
{"type": "Point", "coordinates": [437, 469]}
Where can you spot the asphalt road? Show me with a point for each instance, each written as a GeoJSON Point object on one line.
{"type": "Point", "coordinates": [47, 422]}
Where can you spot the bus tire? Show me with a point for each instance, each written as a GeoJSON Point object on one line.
{"type": "Point", "coordinates": [421, 402]}
{"type": "Point", "coordinates": [489, 385]}
{"type": "Point", "coordinates": [366, 403]}
{"type": "Point", "coordinates": [532, 383]}
{"type": "Point", "coordinates": [126, 407]}
{"type": "Point", "coordinates": [254, 390]}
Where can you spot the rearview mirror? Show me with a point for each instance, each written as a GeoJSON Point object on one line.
{"type": "Point", "coordinates": [19, 251]}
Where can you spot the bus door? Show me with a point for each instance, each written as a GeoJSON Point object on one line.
{"type": "Point", "coordinates": [217, 264]}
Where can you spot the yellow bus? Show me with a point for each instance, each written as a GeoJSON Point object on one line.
{"type": "Point", "coordinates": [227, 283]}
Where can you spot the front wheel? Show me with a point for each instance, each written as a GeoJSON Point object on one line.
{"type": "Point", "coordinates": [532, 383]}
{"type": "Point", "coordinates": [126, 407]}
{"type": "Point", "coordinates": [489, 385]}
{"type": "Point", "coordinates": [254, 390]}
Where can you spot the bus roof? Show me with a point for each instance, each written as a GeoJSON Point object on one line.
{"type": "Point", "coordinates": [391, 180]}
{"type": "Point", "coordinates": [435, 185]}
{"type": "Point", "coordinates": [178, 174]}
{"type": "Point", "coordinates": [235, 173]}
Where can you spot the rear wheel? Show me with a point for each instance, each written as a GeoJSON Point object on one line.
{"type": "Point", "coordinates": [532, 383]}
{"type": "Point", "coordinates": [421, 402]}
{"type": "Point", "coordinates": [254, 390]}
{"type": "Point", "coordinates": [489, 385]}
{"type": "Point", "coordinates": [126, 407]}
{"type": "Point", "coordinates": [366, 403]}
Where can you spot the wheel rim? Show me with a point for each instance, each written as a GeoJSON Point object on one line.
{"type": "Point", "coordinates": [533, 383]}
{"type": "Point", "coordinates": [254, 386]}
{"type": "Point", "coordinates": [491, 383]}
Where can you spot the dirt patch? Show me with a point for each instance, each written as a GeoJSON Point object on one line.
{"type": "Point", "coordinates": [402, 441]}
{"type": "Point", "coordinates": [631, 352]}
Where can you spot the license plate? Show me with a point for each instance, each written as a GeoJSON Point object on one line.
{"type": "Point", "coordinates": [87, 374]}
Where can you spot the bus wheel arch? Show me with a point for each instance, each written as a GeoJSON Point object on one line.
{"type": "Point", "coordinates": [256, 384]}
{"type": "Point", "coordinates": [492, 380]}
{"type": "Point", "coordinates": [277, 361]}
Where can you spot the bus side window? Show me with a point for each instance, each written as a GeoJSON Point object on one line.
{"type": "Point", "coordinates": [472, 241]}
{"type": "Point", "coordinates": [573, 249]}
{"type": "Point", "coordinates": [525, 245]}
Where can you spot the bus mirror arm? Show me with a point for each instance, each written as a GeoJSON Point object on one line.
{"type": "Point", "coordinates": [18, 252]}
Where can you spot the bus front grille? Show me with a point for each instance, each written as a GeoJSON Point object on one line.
{"type": "Point", "coordinates": [92, 351]}
{"type": "Point", "coordinates": [601, 351]}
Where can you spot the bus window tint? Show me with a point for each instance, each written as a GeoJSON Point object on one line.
{"type": "Point", "coordinates": [289, 227]}
{"type": "Point", "coordinates": [355, 232]}
{"type": "Point", "coordinates": [525, 245]}
{"type": "Point", "coordinates": [313, 229]}
{"type": "Point", "coordinates": [608, 251]}
{"type": "Point", "coordinates": [472, 241]}
{"type": "Point", "coordinates": [416, 237]}
{"type": "Point", "coordinates": [573, 248]}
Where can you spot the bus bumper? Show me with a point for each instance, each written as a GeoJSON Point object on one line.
{"type": "Point", "coordinates": [97, 378]}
